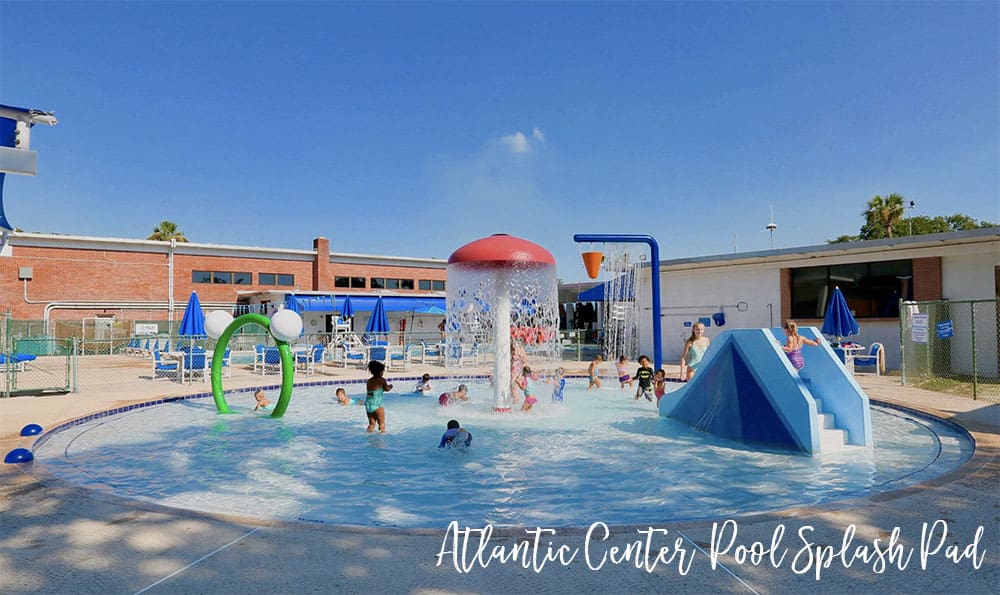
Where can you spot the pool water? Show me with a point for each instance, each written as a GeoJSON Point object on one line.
{"type": "Point", "coordinates": [598, 456]}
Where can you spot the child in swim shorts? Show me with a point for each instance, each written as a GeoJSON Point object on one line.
{"type": "Point", "coordinates": [594, 372]}
{"type": "Point", "coordinates": [623, 377]}
{"type": "Point", "coordinates": [459, 394]}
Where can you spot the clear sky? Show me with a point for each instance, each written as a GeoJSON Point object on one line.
{"type": "Point", "coordinates": [412, 129]}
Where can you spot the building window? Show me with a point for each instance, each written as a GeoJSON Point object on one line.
{"type": "Point", "coordinates": [431, 285]}
{"type": "Point", "coordinates": [352, 282]}
{"type": "Point", "coordinates": [221, 277]}
{"type": "Point", "coordinates": [872, 290]}
{"type": "Point", "coordinates": [276, 279]}
{"type": "Point", "coordinates": [389, 283]}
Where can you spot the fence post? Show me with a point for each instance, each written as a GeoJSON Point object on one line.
{"type": "Point", "coordinates": [73, 366]}
{"type": "Point", "coordinates": [975, 367]}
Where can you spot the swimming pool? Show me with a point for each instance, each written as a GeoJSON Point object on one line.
{"type": "Point", "coordinates": [600, 456]}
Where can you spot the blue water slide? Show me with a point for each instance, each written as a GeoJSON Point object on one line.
{"type": "Point", "coordinates": [747, 390]}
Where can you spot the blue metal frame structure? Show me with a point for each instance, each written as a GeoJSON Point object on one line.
{"type": "Point", "coordinates": [654, 274]}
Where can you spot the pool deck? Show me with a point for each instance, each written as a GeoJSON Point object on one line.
{"type": "Point", "coordinates": [60, 539]}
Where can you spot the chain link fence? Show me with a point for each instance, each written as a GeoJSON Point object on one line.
{"type": "Point", "coordinates": [951, 346]}
{"type": "Point", "coordinates": [105, 354]}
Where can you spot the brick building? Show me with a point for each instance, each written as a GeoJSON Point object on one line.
{"type": "Point", "coordinates": [52, 277]}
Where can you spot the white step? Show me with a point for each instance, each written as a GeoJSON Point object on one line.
{"type": "Point", "coordinates": [831, 440]}
{"type": "Point", "coordinates": [819, 404]}
{"type": "Point", "coordinates": [827, 421]}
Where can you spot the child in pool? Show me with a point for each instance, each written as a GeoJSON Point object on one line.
{"type": "Point", "coordinates": [694, 350]}
{"type": "Point", "coordinates": [459, 394]}
{"type": "Point", "coordinates": [424, 386]}
{"type": "Point", "coordinates": [645, 377]}
{"type": "Point", "coordinates": [623, 377]}
{"type": "Point", "coordinates": [594, 372]}
{"type": "Point", "coordinates": [456, 435]}
{"type": "Point", "coordinates": [262, 402]}
{"type": "Point", "coordinates": [793, 346]}
{"type": "Point", "coordinates": [659, 384]}
{"type": "Point", "coordinates": [528, 380]}
{"type": "Point", "coordinates": [376, 387]}
{"type": "Point", "coordinates": [559, 384]}
{"type": "Point", "coordinates": [343, 399]}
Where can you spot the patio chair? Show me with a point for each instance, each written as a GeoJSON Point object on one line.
{"type": "Point", "coordinates": [195, 363]}
{"type": "Point", "coordinates": [874, 359]}
{"type": "Point", "coordinates": [163, 369]}
{"type": "Point", "coordinates": [258, 358]}
{"type": "Point", "coordinates": [354, 354]}
{"type": "Point", "coordinates": [432, 353]}
{"type": "Point", "coordinates": [307, 360]}
{"type": "Point", "coordinates": [469, 355]}
{"type": "Point", "coordinates": [379, 350]}
{"type": "Point", "coordinates": [399, 357]}
{"type": "Point", "coordinates": [272, 361]}
{"type": "Point", "coordinates": [227, 364]}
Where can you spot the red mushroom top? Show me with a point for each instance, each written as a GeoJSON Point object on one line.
{"type": "Point", "coordinates": [501, 250]}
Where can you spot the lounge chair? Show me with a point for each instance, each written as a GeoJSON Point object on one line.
{"type": "Point", "coordinates": [15, 361]}
{"type": "Point", "coordinates": [163, 369]}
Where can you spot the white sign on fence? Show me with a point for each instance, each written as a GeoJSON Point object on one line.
{"type": "Point", "coordinates": [146, 328]}
{"type": "Point", "coordinates": [920, 332]}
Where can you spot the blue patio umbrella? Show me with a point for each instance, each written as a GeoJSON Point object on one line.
{"type": "Point", "coordinates": [379, 322]}
{"type": "Point", "coordinates": [839, 322]}
{"type": "Point", "coordinates": [347, 310]}
{"type": "Point", "coordinates": [193, 321]}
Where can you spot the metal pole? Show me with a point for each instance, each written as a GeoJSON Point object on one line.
{"type": "Point", "coordinates": [975, 368]}
{"type": "Point", "coordinates": [654, 250]}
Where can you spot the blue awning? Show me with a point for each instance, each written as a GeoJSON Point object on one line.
{"type": "Point", "coordinates": [623, 292]}
{"type": "Point", "coordinates": [365, 303]}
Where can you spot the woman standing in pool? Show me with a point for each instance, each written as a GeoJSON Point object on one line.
{"type": "Point", "coordinates": [793, 346]}
{"type": "Point", "coordinates": [376, 386]}
{"type": "Point", "coordinates": [694, 350]}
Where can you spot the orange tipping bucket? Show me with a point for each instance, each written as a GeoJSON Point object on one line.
{"type": "Point", "coordinates": [592, 262]}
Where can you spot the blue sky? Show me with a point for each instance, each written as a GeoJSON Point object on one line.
{"type": "Point", "coordinates": [412, 129]}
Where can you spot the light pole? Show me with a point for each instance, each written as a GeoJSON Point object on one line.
{"type": "Point", "coordinates": [910, 218]}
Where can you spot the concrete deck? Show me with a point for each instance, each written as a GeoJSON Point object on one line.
{"type": "Point", "coordinates": [60, 539]}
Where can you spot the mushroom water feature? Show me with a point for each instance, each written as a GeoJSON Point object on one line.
{"type": "Point", "coordinates": [501, 288]}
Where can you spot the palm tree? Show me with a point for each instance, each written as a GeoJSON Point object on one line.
{"type": "Point", "coordinates": [881, 215]}
{"type": "Point", "coordinates": [166, 231]}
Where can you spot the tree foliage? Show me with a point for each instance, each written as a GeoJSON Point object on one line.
{"type": "Point", "coordinates": [881, 216]}
{"type": "Point", "coordinates": [884, 219]}
{"type": "Point", "coordinates": [166, 231]}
